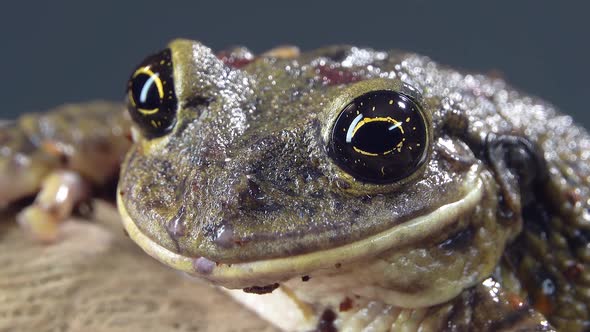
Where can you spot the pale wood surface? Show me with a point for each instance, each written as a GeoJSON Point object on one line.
{"type": "Point", "coordinates": [96, 279]}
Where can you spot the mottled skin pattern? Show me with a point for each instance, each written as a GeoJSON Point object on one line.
{"type": "Point", "coordinates": [490, 234]}
{"type": "Point", "coordinates": [246, 177]}
{"type": "Point", "coordinates": [88, 139]}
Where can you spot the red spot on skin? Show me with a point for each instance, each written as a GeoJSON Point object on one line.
{"type": "Point", "coordinates": [543, 304]}
{"type": "Point", "coordinates": [346, 304]}
{"type": "Point", "coordinates": [515, 301]}
{"type": "Point", "coordinates": [574, 271]}
{"type": "Point", "coordinates": [195, 186]}
{"type": "Point", "coordinates": [230, 60]}
{"type": "Point", "coordinates": [573, 196]}
{"type": "Point", "coordinates": [334, 76]}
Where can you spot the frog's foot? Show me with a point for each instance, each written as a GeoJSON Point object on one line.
{"type": "Point", "coordinates": [89, 139]}
{"type": "Point", "coordinates": [60, 192]}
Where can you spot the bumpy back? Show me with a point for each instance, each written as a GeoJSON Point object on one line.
{"type": "Point", "coordinates": [551, 257]}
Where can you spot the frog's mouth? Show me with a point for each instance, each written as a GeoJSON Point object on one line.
{"type": "Point", "coordinates": [269, 271]}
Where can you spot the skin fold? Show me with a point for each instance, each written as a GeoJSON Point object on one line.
{"type": "Point", "coordinates": [232, 178]}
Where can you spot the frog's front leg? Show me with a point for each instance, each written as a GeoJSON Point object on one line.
{"type": "Point", "coordinates": [63, 155]}
{"type": "Point", "coordinates": [22, 165]}
{"type": "Point", "coordinates": [60, 191]}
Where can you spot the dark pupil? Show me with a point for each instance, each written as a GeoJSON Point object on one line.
{"type": "Point", "coordinates": [145, 91]}
{"type": "Point", "coordinates": [377, 132]}
{"type": "Point", "coordinates": [380, 137]}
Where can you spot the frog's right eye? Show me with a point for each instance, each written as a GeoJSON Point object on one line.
{"type": "Point", "coordinates": [380, 137]}
{"type": "Point", "coordinates": [150, 92]}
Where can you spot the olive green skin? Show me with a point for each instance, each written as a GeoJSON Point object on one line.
{"type": "Point", "coordinates": [248, 177]}
{"type": "Point", "coordinates": [245, 175]}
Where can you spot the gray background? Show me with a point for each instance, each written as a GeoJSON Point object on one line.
{"type": "Point", "coordinates": [57, 51]}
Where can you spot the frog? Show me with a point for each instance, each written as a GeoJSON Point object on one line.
{"type": "Point", "coordinates": [337, 189]}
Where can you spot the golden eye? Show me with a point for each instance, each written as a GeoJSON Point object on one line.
{"type": "Point", "coordinates": [151, 99]}
{"type": "Point", "coordinates": [380, 137]}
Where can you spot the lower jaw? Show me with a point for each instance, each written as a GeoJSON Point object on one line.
{"type": "Point", "coordinates": [266, 272]}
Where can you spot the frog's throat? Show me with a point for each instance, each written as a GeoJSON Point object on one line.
{"type": "Point", "coordinates": [269, 271]}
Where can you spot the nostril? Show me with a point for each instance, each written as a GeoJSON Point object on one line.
{"type": "Point", "coordinates": [250, 195]}
{"type": "Point", "coordinates": [198, 101]}
{"type": "Point", "coordinates": [176, 226]}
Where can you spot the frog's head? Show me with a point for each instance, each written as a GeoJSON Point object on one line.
{"type": "Point", "coordinates": [314, 164]}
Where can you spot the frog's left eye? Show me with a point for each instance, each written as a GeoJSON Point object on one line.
{"type": "Point", "coordinates": [151, 97]}
{"type": "Point", "coordinates": [380, 137]}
